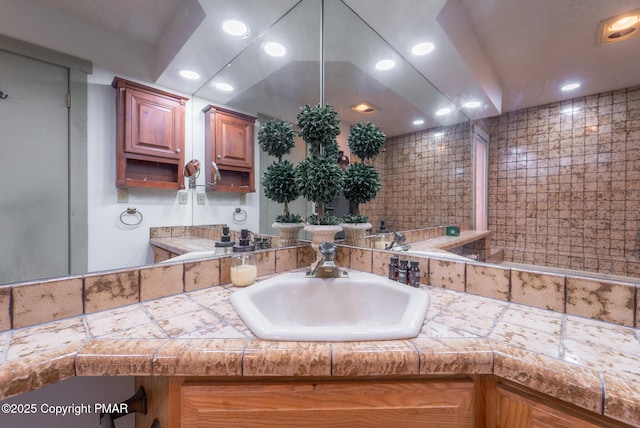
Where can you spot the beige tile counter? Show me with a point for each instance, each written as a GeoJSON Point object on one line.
{"type": "Point", "coordinates": [589, 363]}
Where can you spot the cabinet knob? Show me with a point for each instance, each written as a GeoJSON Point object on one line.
{"type": "Point", "coordinates": [178, 150]}
{"type": "Point", "coordinates": [219, 156]}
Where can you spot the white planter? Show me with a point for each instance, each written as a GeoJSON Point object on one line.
{"type": "Point", "coordinates": [288, 233]}
{"type": "Point", "coordinates": [320, 234]}
{"type": "Point", "coordinates": [354, 233]}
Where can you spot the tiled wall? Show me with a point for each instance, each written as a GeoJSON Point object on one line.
{"type": "Point", "coordinates": [564, 183]}
{"type": "Point", "coordinates": [426, 179]}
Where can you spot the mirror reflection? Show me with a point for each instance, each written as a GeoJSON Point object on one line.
{"type": "Point", "coordinates": [431, 170]}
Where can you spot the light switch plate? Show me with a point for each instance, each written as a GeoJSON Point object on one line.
{"type": "Point", "coordinates": [183, 197]}
{"type": "Point", "coordinates": [201, 198]}
{"type": "Point", "coordinates": [123, 195]}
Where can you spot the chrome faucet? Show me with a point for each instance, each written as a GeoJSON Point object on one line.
{"type": "Point", "coordinates": [398, 239]}
{"type": "Point", "coordinates": [326, 267]}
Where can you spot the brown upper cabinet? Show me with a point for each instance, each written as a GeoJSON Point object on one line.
{"type": "Point", "coordinates": [150, 136]}
{"type": "Point", "coordinates": [229, 141]}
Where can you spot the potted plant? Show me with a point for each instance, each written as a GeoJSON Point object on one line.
{"type": "Point", "coordinates": [318, 177]}
{"type": "Point", "coordinates": [276, 138]}
{"type": "Point", "coordinates": [361, 182]}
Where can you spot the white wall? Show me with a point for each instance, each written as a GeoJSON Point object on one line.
{"type": "Point", "coordinates": [113, 245]}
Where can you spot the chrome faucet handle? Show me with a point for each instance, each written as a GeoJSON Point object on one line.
{"type": "Point", "coordinates": [328, 250]}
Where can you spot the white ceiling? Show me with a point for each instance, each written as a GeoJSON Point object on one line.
{"type": "Point", "coordinates": [512, 54]}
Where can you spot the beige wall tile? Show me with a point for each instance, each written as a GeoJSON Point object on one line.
{"type": "Point", "coordinates": [488, 281]}
{"type": "Point", "coordinates": [201, 274]}
{"type": "Point", "coordinates": [5, 308]}
{"type": "Point", "coordinates": [306, 256]}
{"type": "Point", "coordinates": [360, 259]}
{"type": "Point", "coordinates": [161, 280]}
{"type": "Point", "coordinates": [602, 300]}
{"type": "Point", "coordinates": [343, 256]}
{"type": "Point", "coordinates": [286, 259]}
{"type": "Point", "coordinates": [46, 301]}
{"type": "Point", "coordinates": [447, 274]}
{"type": "Point", "coordinates": [225, 270]}
{"type": "Point", "coordinates": [380, 262]}
{"type": "Point", "coordinates": [266, 261]}
{"type": "Point", "coordinates": [110, 290]}
{"type": "Point", "coordinates": [539, 289]}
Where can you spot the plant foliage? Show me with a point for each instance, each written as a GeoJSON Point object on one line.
{"type": "Point", "coordinates": [276, 138]}
{"type": "Point", "coordinates": [361, 183]}
{"type": "Point", "coordinates": [289, 218]}
{"type": "Point", "coordinates": [326, 220]}
{"type": "Point", "coordinates": [277, 181]}
{"type": "Point", "coordinates": [319, 127]}
{"type": "Point", "coordinates": [355, 218]}
{"type": "Point", "coordinates": [319, 179]}
{"type": "Point", "coordinates": [366, 140]}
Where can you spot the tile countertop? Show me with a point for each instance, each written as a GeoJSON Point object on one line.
{"type": "Point", "coordinates": [592, 364]}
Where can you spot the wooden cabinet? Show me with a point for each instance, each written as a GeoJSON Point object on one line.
{"type": "Point", "coordinates": [229, 144]}
{"type": "Point", "coordinates": [518, 407]}
{"type": "Point", "coordinates": [150, 136]}
{"type": "Point", "coordinates": [198, 403]}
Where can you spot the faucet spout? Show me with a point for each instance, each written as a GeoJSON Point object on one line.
{"type": "Point", "coordinates": [326, 267]}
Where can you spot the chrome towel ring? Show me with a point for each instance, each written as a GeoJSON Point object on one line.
{"type": "Point", "coordinates": [239, 216]}
{"type": "Point", "coordinates": [131, 212]}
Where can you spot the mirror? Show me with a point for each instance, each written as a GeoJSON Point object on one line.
{"type": "Point", "coordinates": [269, 87]}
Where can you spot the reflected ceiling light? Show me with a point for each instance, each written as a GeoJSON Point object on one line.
{"type": "Point", "coordinates": [618, 28]}
{"type": "Point", "coordinates": [570, 110]}
{"type": "Point", "coordinates": [418, 122]}
{"type": "Point", "coordinates": [385, 64]}
{"type": "Point", "coordinates": [221, 86]}
{"type": "Point", "coordinates": [365, 107]}
{"type": "Point", "coordinates": [570, 86]}
{"type": "Point", "coordinates": [443, 111]}
{"type": "Point", "coordinates": [235, 28]}
{"type": "Point", "coordinates": [472, 104]}
{"type": "Point", "coordinates": [422, 48]}
{"type": "Point", "coordinates": [274, 49]}
{"type": "Point", "coordinates": [189, 74]}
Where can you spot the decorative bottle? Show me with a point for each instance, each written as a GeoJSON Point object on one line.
{"type": "Point", "coordinates": [403, 272]}
{"type": "Point", "coordinates": [414, 274]}
{"type": "Point", "coordinates": [393, 268]}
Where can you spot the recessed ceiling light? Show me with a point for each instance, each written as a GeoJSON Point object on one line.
{"type": "Point", "coordinates": [189, 74]}
{"type": "Point", "coordinates": [443, 111]}
{"type": "Point", "coordinates": [418, 122]}
{"type": "Point", "coordinates": [365, 107]}
{"type": "Point", "coordinates": [422, 48]}
{"type": "Point", "coordinates": [624, 23]}
{"type": "Point", "coordinates": [235, 28]}
{"type": "Point", "coordinates": [385, 64]}
{"type": "Point", "coordinates": [221, 86]}
{"type": "Point", "coordinates": [570, 86]}
{"type": "Point", "coordinates": [472, 104]}
{"type": "Point", "coordinates": [274, 49]}
{"type": "Point", "coordinates": [619, 28]}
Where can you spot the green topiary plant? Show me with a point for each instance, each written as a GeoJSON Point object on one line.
{"type": "Point", "coordinates": [361, 181]}
{"type": "Point", "coordinates": [318, 177]}
{"type": "Point", "coordinates": [276, 138]}
{"type": "Point", "coordinates": [354, 218]}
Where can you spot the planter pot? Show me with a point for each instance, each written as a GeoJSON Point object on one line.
{"type": "Point", "coordinates": [288, 233]}
{"type": "Point", "coordinates": [354, 233]}
{"type": "Point", "coordinates": [320, 234]}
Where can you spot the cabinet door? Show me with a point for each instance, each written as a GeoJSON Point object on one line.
{"type": "Point", "coordinates": [370, 403]}
{"type": "Point", "coordinates": [517, 410]}
{"type": "Point", "coordinates": [155, 125]}
{"type": "Point", "coordinates": [234, 141]}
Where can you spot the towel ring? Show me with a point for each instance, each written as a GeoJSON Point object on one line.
{"type": "Point", "coordinates": [131, 212]}
{"type": "Point", "coordinates": [239, 216]}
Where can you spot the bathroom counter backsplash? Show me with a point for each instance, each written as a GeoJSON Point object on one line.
{"type": "Point", "coordinates": [198, 333]}
{"type": "Point", "coordinates": [569, 337]}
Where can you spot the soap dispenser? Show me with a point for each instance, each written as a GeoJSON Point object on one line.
{"type": "Point", "coordinates": [225, 244]}
{"type": "Point", "coordinates": [382, 238]}
{"type": "Point", "coordinates": [244, 269]}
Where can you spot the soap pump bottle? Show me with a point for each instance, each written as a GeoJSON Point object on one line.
{"type": "Point", "coordinates": [225, 244]}
{"type": "Point", "coordinates": [414, 274]}
{"type": "Point", "coordinates": [244, 269]}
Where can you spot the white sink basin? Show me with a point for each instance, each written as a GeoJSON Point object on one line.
{"type": "Point", "coordinates": [361, 307]}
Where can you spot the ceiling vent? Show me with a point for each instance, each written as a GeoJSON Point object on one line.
{"type": "Point", "coordinates": [619, 28]}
